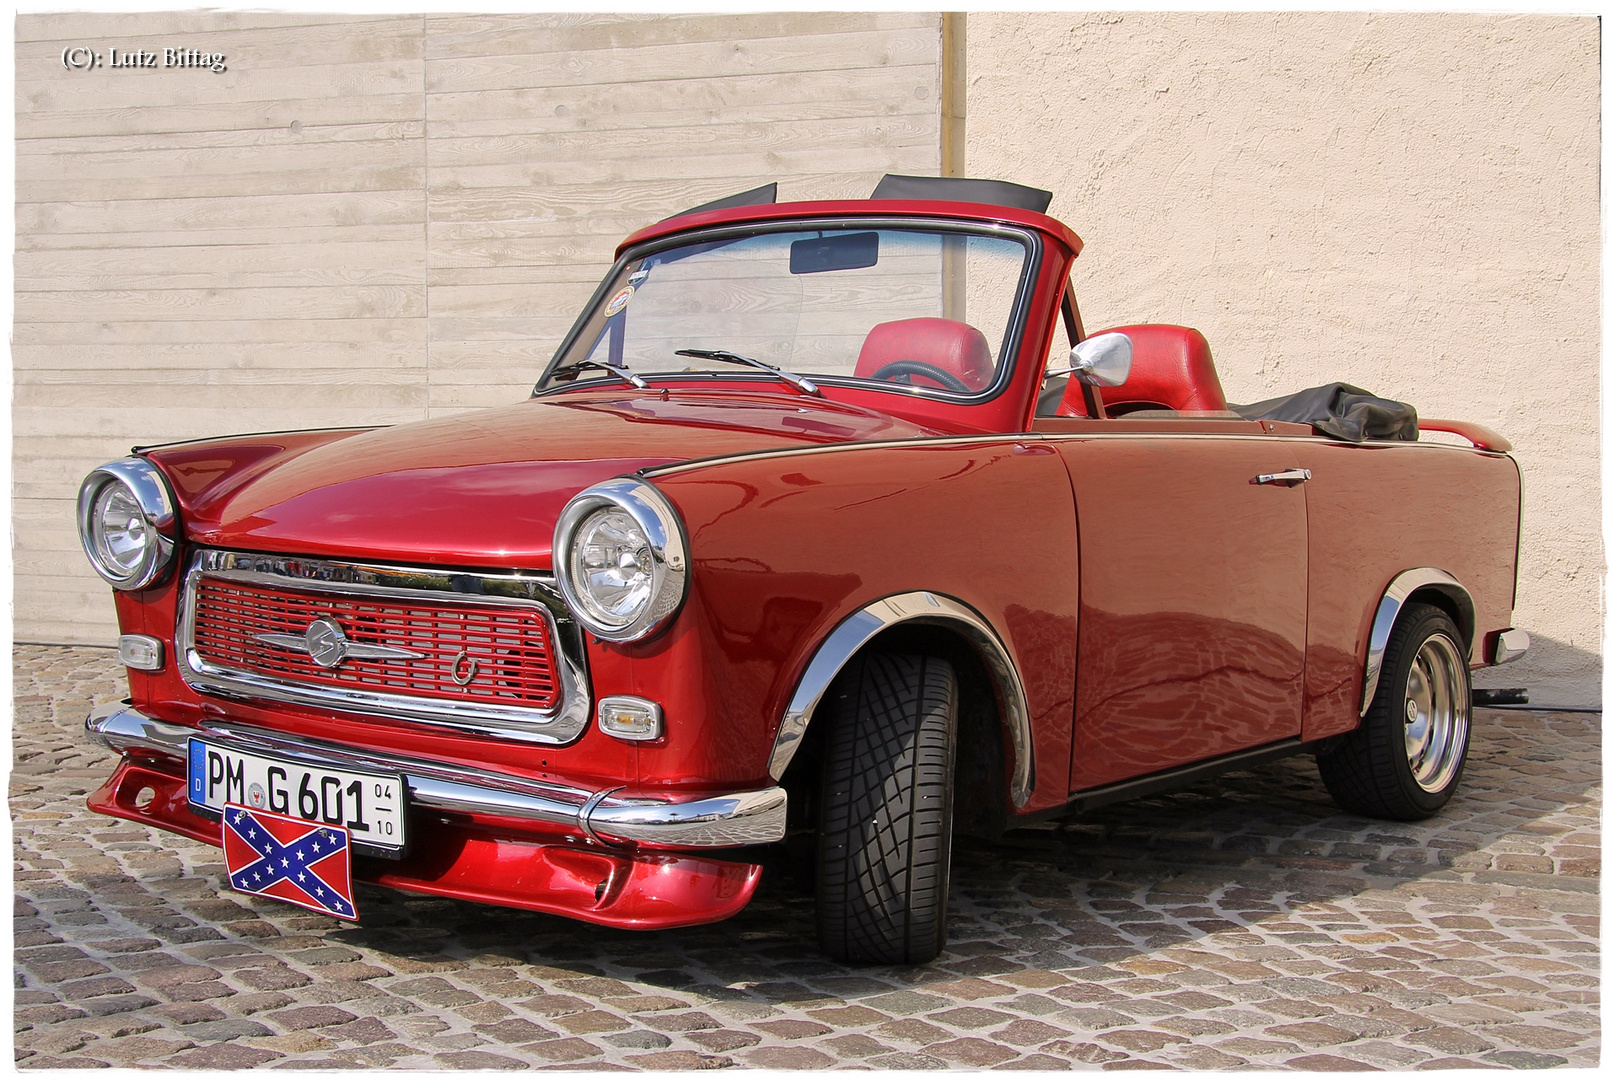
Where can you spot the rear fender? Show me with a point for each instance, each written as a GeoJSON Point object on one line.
{"type": "Point", "coordinates": [1409, 584]}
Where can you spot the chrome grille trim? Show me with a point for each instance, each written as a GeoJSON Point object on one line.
{"type": "Point", "coordinates": [559, 725]}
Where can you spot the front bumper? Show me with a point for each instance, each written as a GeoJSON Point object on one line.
{"type": "Point", "coordinates": [638, 864]}
{"type": "Point", "coordinates": [708, 821]}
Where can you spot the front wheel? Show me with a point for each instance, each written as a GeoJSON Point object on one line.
{"type": "Point", "coordinates": [1406, 758]}
{"type": "Point", "coordinates": [886, 819]}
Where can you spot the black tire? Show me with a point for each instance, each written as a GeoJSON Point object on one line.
{"type": "Point", "coordinates": [1406, 759]}
{"type": "Point", "coordinates": [886, 815]}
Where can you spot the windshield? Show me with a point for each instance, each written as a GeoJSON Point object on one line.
{"type": "Point", "coordinates": [903, 307]}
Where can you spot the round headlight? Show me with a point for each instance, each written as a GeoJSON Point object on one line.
{"type": "Point", "coordinates": [619, 559]}
{"type": "Point", "coordinates": [126, 522]}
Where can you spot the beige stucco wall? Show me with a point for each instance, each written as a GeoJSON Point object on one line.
{"type": "Point", "coordinates": [1405, 202]}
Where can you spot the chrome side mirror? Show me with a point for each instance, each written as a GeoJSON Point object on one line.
{"type": "Point", "coordinates": [1103, 360]}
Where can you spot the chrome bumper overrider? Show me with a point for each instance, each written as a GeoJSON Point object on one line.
{"type": "Point", "coordinates": [733, 820]}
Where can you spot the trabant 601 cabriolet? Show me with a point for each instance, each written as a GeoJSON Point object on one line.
{"type": "Point", "coordinates": [828, 519]}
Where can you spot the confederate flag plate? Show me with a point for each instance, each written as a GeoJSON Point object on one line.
{"type": "Point", "coordinates": [305, 862]}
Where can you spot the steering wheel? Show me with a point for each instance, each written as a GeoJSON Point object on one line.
{"type": "Point", "coordinates": [897, 368]}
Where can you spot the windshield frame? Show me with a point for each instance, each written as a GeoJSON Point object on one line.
{"type": "Point", "coordinates": [1010, 347]}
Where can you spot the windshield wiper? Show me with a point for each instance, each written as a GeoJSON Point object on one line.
{"type": "Point", "coordinates": [805, 385]}
{"type": "Point", "coordinates": [622, 373]}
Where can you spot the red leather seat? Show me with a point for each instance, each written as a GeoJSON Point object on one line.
{"type": "Point", "coordinates": [1171, 369]}
{"type": "Point", "coordinates": [957, 348]}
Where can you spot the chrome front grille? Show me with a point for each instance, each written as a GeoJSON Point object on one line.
{"type": "Point", "coordinates": [492, 653]}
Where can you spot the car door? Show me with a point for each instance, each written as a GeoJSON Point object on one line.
{"type": "Point", "coordinates": [1192, 625]}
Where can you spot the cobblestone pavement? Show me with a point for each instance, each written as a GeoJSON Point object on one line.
{"type": "Point", "coordinates": [1243, 923]}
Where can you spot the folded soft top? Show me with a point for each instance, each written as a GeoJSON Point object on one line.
{"type": "Point", "coordinates": [1340, 411]}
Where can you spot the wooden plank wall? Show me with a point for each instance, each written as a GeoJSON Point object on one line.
{"type": "Point", "coordinates": [372, 220]}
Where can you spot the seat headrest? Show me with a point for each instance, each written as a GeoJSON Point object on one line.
{"type": "Point", "coordinates": [1171, 369]}
{"type": "Point", "coordinates": [955, 347]}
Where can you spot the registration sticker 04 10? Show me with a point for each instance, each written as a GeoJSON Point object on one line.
{"type": "Point", "coordinates": [301, 862]}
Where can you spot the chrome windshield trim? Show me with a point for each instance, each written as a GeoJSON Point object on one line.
{"type": "Point", "coordinates": [858, 628]}
{"type": "Point", "coordinates": [1013, 333]}
{"type": "Point", "coordinates": [535, 592]}
{"type": "Point", "coordinates": [728, 819]}
{"type": "Point", "coordinates": [1404, 585]}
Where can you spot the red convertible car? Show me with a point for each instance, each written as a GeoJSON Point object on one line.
{"type": "Point", "coordinates": [826, 517]}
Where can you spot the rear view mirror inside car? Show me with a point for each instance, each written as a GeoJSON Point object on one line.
{"type": "Point", "coordinates": [839, 251]}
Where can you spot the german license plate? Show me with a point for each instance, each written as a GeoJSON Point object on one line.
{"type": "Point", "coordinates": [369, 805]}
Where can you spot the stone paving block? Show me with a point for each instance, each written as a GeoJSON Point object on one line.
{"type": "Point", "coordinates": [224, 1055]}
{"type": "Point", "coordinates": [478, 1060]}
{"type": "Point", "coordinates": [907, 1061]}
{"type": "Point", "coordinates": [788, 1057]}
{"type": "Point", "coordinates": [297, 1042]}
{"type": "Point", "coordinates": [793, 1029]}
{"type": "Point", "coordinates": [1520, 1059]}
{"type": "Point", "coordinates": [972, 1052]}
{"type": "Point", "coordinates": [1037, 1063]}
{"type": "Point", "coordinates": [1311, 1034]}
{"type": "Point", "coordinates": [847, 1016]}
{"type": "Point", "coordinates": [515, 1030]}
{"type": "Point", "coordinates": [670, 1060]}
{"type": "Point", "coordinates": [1029, 1033]}
{"type": "Point", "coordinates": [855, 1046]}
{"type": "Point", "coordinates": [567, 1050]}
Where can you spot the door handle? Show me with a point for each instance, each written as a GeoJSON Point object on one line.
{"type": "Point", "coordinates": [1288, 478]}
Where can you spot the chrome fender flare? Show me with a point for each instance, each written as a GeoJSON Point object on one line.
{"type": "Point", "coordinates": [1395, 597]}
{"type": "Point", "coordinates": [857, 629]}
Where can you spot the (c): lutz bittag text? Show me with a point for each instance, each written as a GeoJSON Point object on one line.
{"type": "Point", "coordinates": [84, 58]}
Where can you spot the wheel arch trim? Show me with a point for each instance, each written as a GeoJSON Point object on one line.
{"type": "Point", "coordinates": [862, 626]}
{"type": "Point", "coordinates": [1404, 586]}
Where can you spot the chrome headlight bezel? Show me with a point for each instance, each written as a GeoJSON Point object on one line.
{"type": "Point", "coordinates": [669, 566]}
{"type": "Point", "coordinates": [140, 479]}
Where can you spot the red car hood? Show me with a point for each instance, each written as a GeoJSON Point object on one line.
{"type": "Point", "coordinates": [477, 489]}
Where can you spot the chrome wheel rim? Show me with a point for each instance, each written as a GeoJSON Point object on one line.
{"type": "Point", "coordinates": [1436, 713]}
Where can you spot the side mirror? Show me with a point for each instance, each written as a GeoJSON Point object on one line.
{"type": "Point", "coordinates": [1103, 360]}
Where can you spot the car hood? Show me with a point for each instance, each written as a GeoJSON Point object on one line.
{"type": "Point", "coordinates": [477, 489]}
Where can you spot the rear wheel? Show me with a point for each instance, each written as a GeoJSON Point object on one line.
{"type": "Point", "coordinates": [1405, 760]}
{"type": "Point", "coordinates": [886, 818]}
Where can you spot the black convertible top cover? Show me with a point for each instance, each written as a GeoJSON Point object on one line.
{"type": "Point", "coordinates": [757, 196]}
{"type": "Point", "coordinates": [963, 189]}
{"type": "Point", "coordinates": [1340, 411]}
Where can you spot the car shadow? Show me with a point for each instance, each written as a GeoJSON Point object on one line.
{"type": "Point", "coordinates": [1117, 884]}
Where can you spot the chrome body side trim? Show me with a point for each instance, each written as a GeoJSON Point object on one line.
{"type": "Point", "coordinates": [1405, 584]}
{"type": "Point", "coordinates": [1511, 645]}
{"type": "Point", "coordinates": [707, 821]}
{"type": "Point", "coordinates": [562, 724]}
{"type": "Point", "coordinates": [919, 607]}
{"type": "Point", "coordinates": [677, 467]}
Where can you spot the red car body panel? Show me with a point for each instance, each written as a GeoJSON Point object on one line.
{"type": "Point", "coordinates": [1359, 539]}
{"type": "Point", "coordinates": [1160, 608]}
{"type": "Point", "coordinates": [1193, 581]}
{"type": "Point", "coordinates": [852, 209]}
{"type": "Point", "coordinates": [772, 580]}
{"type": "Point", "coordinates": [483, 488]}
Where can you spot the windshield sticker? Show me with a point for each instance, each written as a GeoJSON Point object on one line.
{"type": "Point", "coordinates": [619, 301]}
